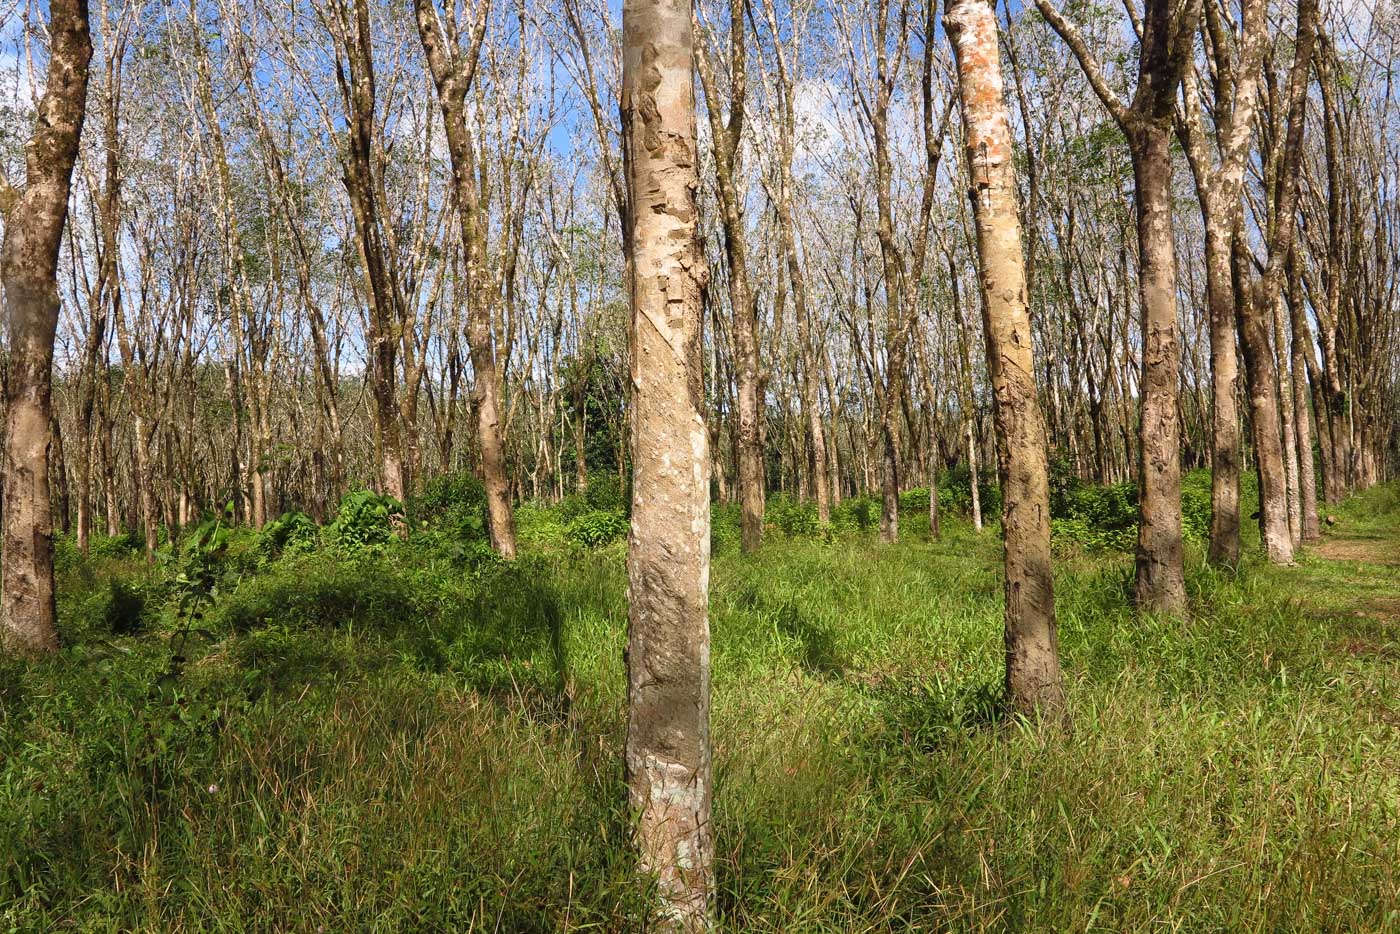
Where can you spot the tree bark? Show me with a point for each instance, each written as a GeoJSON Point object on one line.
{"type": "Point", "coordinates": [1225, 416]}
{"type": "Point", "coordinates": [1262, 386]}
{"type": "Point", "coordinates": [668, 755]}
{"type": "Point", "coordinates": [34, 220]}
{"type": "Point", "coordinates": [1161, 574]}
{"type": "Point", "coordinates": [1167, 38]}
{"type": "Point", "coordinates": [453, 69]}
{"type": "Point", "coordinates": [1302, 366]}
{"type": "Point", "coordinates": [1033, 682]}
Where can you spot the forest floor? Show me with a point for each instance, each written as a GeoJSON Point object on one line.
{"type": "Point", "coordinates": [377, 740]}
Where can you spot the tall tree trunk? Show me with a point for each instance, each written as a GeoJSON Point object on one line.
{"type": "Point", "coordinates": [1302, 366]}
{"type": "Point", "coordinates": [34, 220]}
{"type": "Point", "coordinates": [1033, 682]}
{"type": "Point", "coordinates": [727, 140]}
{"type": "Point", "coordinates": [668, 755]}
{"type": "Point", "coordinates": [1262, 385]}
{"type": "Point", "coordinates": [1168, 33]}
{"type": "Point", "coordinates": [453, 68]}
{"type": "Point", "coordinates": [1161, 574]}
{"type": "Point", "coordinates": [1225, 416]}
{"type": "Point", "coordinates": [1287, 411]}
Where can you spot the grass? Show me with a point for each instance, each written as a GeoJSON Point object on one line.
{"type": "Point", "coordinates": [378, 742]}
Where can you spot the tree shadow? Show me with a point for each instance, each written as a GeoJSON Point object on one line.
{"type": "Point", "coordinates": [925, 716]}
{"type": "Point", "coordinates": [819, 650]}
{"type": "Point", "coordinates": [506, 642]}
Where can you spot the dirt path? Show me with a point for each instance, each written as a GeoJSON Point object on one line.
{"type": "Point", "coordinates": [1360, 584]}
{"type": "Point", "coordinates": [1361, 550]}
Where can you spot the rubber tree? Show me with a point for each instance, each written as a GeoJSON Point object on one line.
{"type": "Point", "coordinates": [1033, 682]}
{"type": "Point", "coordinates": [34, 219]}
{"type": "Point", "coordinates": [1167, 35]}
{"type": "Point", "coordinates": [667, 755]}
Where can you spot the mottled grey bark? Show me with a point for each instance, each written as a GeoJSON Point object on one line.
{"type": "Point", "coordinates": [726, 135]}
{"type": "Point", "coordinates": [667, 755]}
{"type": "Point", "coordinates": [1218, 183]}
{"type": "Point", "coordinates": [1164, 54]}
{"type": "Point", "coordinates": [34, 219]}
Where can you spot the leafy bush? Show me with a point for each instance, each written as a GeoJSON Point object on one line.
{"type": "Point", "coordinates": [596, 528]}
{"type": "Point", "coordinates": [321, 592]}
{"type": "Point", "coordinates": [606, 494]}
{"type": "Point", "coordinates": [724, 527]}
{"type": "Point", "coordinates": [199, 568]}
{"type": "Point", "coordinates": [915, 501]}
{"type": "Point", "coordinates": [116, 607]}
{"type": "Point", "coordinates": [792, 516]}
{"type": "Point", "coordinates": [116, 546]}
{"type": "Point", "coordinates": [1196, 510]}
{"type": "Point", "coordinates": [364, 519]}
{"type": "Point", "coordinates": [1083, 534]}
{"type": "Point", "coordinates": [126, 607]}
{"type": "Point", "coordinates": [955, 493]}
{"type": "Point", "coordinates": [455, 501]}
{"type": "Point", "coordinates": [537, 524]}
{"type": "Point", "coordinates": [858, 512]}
{"type": "Point", "coordinates": [292, 533]}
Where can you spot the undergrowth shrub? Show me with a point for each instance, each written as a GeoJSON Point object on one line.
{"type": "Point", "coordinates": [1195, 507]}
{"type": "Point", "coordinates": [455, 502]}
{"type": "Point", "coordinates": [364, 519]}
{"type": "Point", "coordinates": [292, 533]}
{"type": "Point", "coordinates": [724, 527]}
{"type": "Point", "coordinates": [1097, 517]}
{"type": "Point", "coordinates": [322, 591]}
{"type": "Point", "coordinates": [859, 513]}
{"type": "Point", "coordinates": [955, 492]}
{"type": "Point", "coordinates": [541, 525]}
{"type": "Point", "coordinates": [791, 516]}
{"type": "Point", "coordinates": [915, 501]}
{"type": "Point", "coordinates": [596, 528]}
{"type": "Point", "coordinates": [125, 545]}
{"type": "Point", "coordinates": [604, 493]}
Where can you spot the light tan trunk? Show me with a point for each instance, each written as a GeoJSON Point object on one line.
{"type": "Point", "coordinates": [668, 752]}
{"type": "Point", "coordinates": [1033, 682]}
{"type": "Point", "coordinates": [1262, 386]}
{"type": "Point", "coordinates": [727, 140]}
{"type": "Point", "coordinates": [1302, 365]}
{"type": "Point", "coordinates": [1290, 436]}
{"type": "Point", "coordinates": [1225, 416]}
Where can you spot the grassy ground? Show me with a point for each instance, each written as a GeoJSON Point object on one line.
{"type": "Point", "coordinates": [372, 742]}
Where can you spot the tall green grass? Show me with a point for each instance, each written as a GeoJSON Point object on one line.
{"type": "Point", "coordinates": [384, 741]}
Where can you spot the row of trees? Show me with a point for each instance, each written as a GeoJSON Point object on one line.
{"type": "Point", "coordinates": [299, 242]}
{"type": "Point", "coordinates": [313, 246]}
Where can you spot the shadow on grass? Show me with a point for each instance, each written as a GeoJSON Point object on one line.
{"type": "Point", "coordinates": [925, 716]}
{"type": "Point", "coordinates": [819, 651]}
{"type": "Point", "coordinates": [506, 642]}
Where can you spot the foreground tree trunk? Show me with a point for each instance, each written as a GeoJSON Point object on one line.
{"type": "Point", "coordinates": [34, 220]}
{"type": "Point", "coordinates": [1161, 572]}
{"type": "Point", "coordinates": [1033, 681]}
{"type": "Point", "coordinates": [667, 754]}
